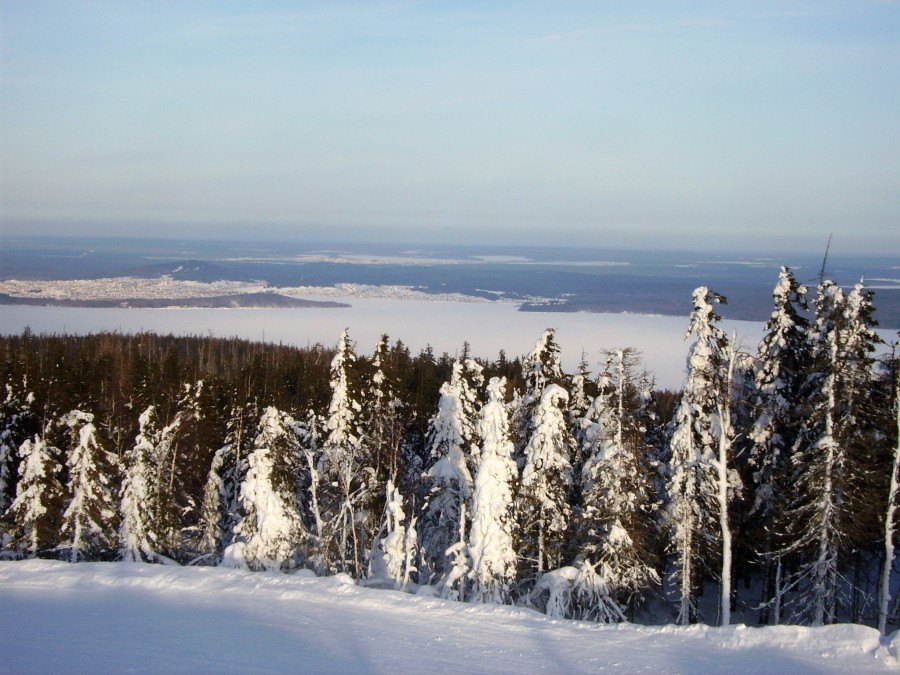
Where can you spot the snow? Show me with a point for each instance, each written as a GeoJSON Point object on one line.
{"type": "Point", "coordinates": [134, 617]}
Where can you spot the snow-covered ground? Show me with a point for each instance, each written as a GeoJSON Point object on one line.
{"type": "Point", "coordinates": [121, 288]}
{"type": "Point", "coordinates": [167, 288]}
{"type": "Point", "coordinates": [127, 617]}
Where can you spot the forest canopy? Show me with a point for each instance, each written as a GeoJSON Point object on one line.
{"type": "Point", "coordinates": [585, 495]}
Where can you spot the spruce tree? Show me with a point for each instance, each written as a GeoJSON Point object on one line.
{"type": "Point", "coordinates": [382, 415]}
{"type": "Point", "coordinates": [183, 450]}
{"type": "Point", "coordinates": [219, 509]}
{"type": "Point", "coordinates": [544, 500]}
{"type": "Point", "coordinates": [138, 531]}
{"type": "Point", "coordinates": [452, 444]}
{"type": "Point", "coordinates": [346, 470]}
{"type": "Point", "coordinates": [783, 363]}
{"type": "Point", "coordinates": [827, 492]}
{"type": "Point", "coordinates": [579, 404]}
{"type": "Point", "coordinates": [89, 521]}
{"type": "Point", "coordinates": [491, 534]}
{"type": "Point", "coordinates": [615, 522]}
{"type": "Point", "coordinates": [696, 470]}
{"type": "Point", "coordinates": [15, 419]}
{"type": "Point", "coordinates": [541, 368]}
{"type": "Point", "coordinates": [271, 534]}
{"type": "Point", "coordinates": [890, 524]}
{"type": "Point", "coordinates": [35, 513]}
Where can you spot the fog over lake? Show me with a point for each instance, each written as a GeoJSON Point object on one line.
{"type": "Point", "coordinates": [488, 327]}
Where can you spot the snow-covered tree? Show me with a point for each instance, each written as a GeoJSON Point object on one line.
{"type": "Point", "coordinates": [214, 527]}
{"type": "Point", "coordinates": [271, 534]}
{"type": "Point", "coordinates": [168, 500]}
{"type": "Point", "coordinates": [90, 517]}
{"type": "Point", "coordinates": [382, 419]}
{"type": "Point", "coordinates": [546, 485]}
{"type": "Point", "coordinates": [183, 450]}
{"type": "Point", "coordinates": [15, 415]}
{"type": "Point", "coordinates": [576, 592]}
{"type": "Point", "coordinates": [727, 479]}
{"type": "Point", "coordinates": [862, 414]}
{"type": "Point", "coordinates": [828, 476]}
{"type": "Point", "coordinates": [138, 535]}
{"type": "Point", "coordinates": [451, 441]}
{"type": "Point", "coordinates": [35, 513]}
{"type": "Point", "coordinates": [491, 534]}
{"type": "Point", "coordinates": [699, 447]}
{"type": "Point", "coordinates": [783, 362]}
{"type": "Point", "coordinates": [219, 510]}
{"type": "Point", "coordinates": [819, 460]}
{"type": "Point", "coordinates": [579, 405]}
{"type": "Point", "coordinates": [579, 399]}
{"type": "Point", "coordinates": [540, 369]}
{"type": "Point", "coordinates": [398, 546]}
{"type": "Point", "coordinates": [310, 483]}
{"type": "Point", "coordinates": [346, 470]}
{"type": "Point", "coordinates": [890, 526]}
{"type": "Point", "coordinates": [615, 523]}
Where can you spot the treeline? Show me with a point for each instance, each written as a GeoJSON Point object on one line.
{"type": "Point", "coordinates": [509, 481]}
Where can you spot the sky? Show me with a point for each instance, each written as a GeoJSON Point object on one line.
{"type": "Point", "coordinates": [765, 124]}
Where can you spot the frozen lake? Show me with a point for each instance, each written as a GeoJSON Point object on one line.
{"type": "Point", "coordinates": [488, 327]}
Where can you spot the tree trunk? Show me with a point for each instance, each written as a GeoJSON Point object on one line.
{"type": "Point", "coordinates": [724, 410]}
{"type": "Point", "coordinates": [885, 590]}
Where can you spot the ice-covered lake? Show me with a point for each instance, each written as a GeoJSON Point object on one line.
{"type": "Point", "coordinates": [488, 327]}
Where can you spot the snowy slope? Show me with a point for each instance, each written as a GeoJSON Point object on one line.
{"type": "Point", "coordinates": [126, 617]}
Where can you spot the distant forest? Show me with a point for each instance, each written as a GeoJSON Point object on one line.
{"type": "Point", "coordinates": [585, 495]}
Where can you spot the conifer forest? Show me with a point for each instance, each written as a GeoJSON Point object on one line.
{"type": "Point", "coordinates": [589, 495]}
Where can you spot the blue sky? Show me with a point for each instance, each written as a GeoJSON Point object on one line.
{"type": "Point", "coordinates": [664, 124]}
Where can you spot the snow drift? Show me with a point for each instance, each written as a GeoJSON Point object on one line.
{"type": "Point", "coordinates": [117, 617]}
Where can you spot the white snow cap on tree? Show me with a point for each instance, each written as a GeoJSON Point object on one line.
{"type": "Point", "coordinates": [543, 365]}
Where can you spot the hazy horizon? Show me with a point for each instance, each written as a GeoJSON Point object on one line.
{"type": "Point", "coordinates": [841, 244]}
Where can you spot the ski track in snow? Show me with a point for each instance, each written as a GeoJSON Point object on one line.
{"type": "Point", "coordinates": [137, 618]}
